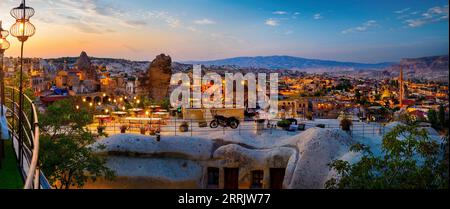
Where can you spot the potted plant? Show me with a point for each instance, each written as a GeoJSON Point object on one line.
{"type": "Point", "coordinates": [123, 129]}
{"type": "Point", "coordinates": [301, 126]}
{"type": "Point", "coordinates": [142, 129]}
{"type": "Point", "coordinates": [100, 129]}
{"type": "Point", "coordinates": [184, 127]}
{"type": "Point", "coordinates": [320, 125]}
{"type": "Point", "coordinates": [346, 124]}
{"type": "Point", "coordinates": [152, 132]}
{"type": "Point", "coordinates": [284, 124]}
{"type": "Point", "coordinates": [260, 120]}
{"type": "Point", "coordinates": [158, 135]}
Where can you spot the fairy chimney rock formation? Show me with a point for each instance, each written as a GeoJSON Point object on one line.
{"type": "Point", "coordinates": [83, 62]}
{"type": "Point", "coordinates": [84, 65]}
{"type": "Point", "coordinates": [156, 82]}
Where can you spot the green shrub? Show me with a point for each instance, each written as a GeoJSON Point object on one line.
{"type": "Point", "coordinates": [283, 123]}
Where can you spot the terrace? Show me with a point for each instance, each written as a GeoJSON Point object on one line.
{"type": "Point", "coordinates": [20, 165]}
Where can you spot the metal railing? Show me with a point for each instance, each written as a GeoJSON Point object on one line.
{"type": "Point", "coordinates": [171, 127]}
{"type": "Point", "coordinates": [26, 148]}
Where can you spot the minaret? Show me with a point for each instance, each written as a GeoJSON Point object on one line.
{"type": "Point", "coordinates": [401, 86]}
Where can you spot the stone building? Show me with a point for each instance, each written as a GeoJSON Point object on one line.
{"type": "Point", "coordinates": [80, 79]}
{"type": "Point", "coordinates": [293, 108]}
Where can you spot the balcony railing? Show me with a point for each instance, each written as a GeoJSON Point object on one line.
{"type": "Point", "coordinates": [26, 148]}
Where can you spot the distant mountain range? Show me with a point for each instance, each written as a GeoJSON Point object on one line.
{"type": "Point", "coordinates": [290, 63]}
{"type": "Point", "coordinates": [431, 68]}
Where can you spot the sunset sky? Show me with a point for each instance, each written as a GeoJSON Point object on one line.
{"type": "Point", "coordinates": [352, 30]}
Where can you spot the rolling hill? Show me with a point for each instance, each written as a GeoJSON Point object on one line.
{"type": "Point", "coordinates": [289, 62]}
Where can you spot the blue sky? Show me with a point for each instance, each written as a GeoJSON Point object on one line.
{"type": "Point", "coordinates": [352, 30]}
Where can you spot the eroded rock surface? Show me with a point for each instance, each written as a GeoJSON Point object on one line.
{"type": "Point", "coordinates": [155, 84]}
{"type": "Point", "coordinates": [179, 160]}
{"type": "Point", "coordinates": [316, 149]}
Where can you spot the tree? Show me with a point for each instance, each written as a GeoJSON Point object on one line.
{"type": "Point", "coordinates": [165, 103]}
{"type": "Point", "coordinates": [16, 78]}
{"type": "Point", "coordinates": [394, 83]}
{"type": "Point", "coordinates": [406, 119]}
{"type": "Point", "coordinates": [67, 157]}
{"type": "Point", "coordinates": [433, 118]}
{"type": "Point", "coordinates": [357, 95]}
{"type": "Point", "coordinates": [377, 97]}
{"type": "Point", "coordinates": [409, 160]}
{"type": "Point", "coordinates": [346, 124]}
{"type": "Point", "coordinates": [441, 117]}
{"type": "Point", "coordinates": [363, 101]}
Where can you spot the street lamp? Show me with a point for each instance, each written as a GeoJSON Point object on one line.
{"type": "Point", "coordinates": [4, 45]}
{"type": "Point", "coordinates": [22, 30]}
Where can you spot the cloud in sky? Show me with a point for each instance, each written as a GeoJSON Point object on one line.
{"type": "Point", "coordinates": [295, 15]}
{"type": "Point", "coordinates": [432, 15]}
{"type": "Point", "coordinates": [171, 20]}
{"type": "Point", "coordinates": [402, 11]}
{"type": "Point", "coordinates": [363, 27]}
{"type": "Point", "coordinates": [204, 21]}
{"type": "Point", "coordinates": [288, 32]}
{"type": "Point", "coordinates": [279, 12]}
{"type": "Point", "coordinates": [272, 22]}
{"type": "Point", "coordinates": [92, 16]}
{"type": "Point", "coordinates": [187, 29]}
{"type": "Point", "coordinates": [318, 16]}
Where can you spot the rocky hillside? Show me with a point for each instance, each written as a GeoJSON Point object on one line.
{"type": "Point", "coordinates": [431, 68]}
{"type": "Point", "coordinates": [111, 64]}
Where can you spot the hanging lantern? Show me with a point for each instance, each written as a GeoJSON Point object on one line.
{"type": "Point", "coordinates": [4, 44]}
{"type": "Point", "coordinates": [22, 29]}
